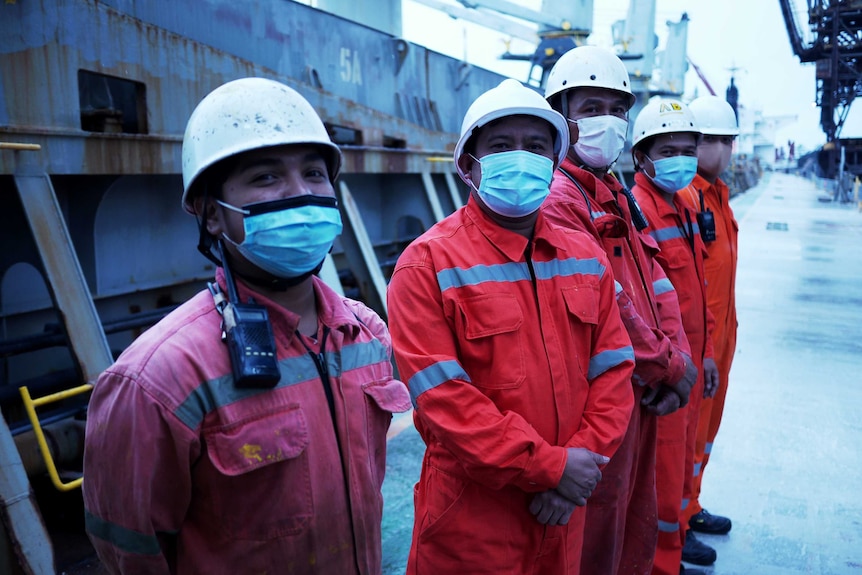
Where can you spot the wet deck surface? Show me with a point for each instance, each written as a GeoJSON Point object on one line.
{"type": "Point", "coordinates": [786, 464]}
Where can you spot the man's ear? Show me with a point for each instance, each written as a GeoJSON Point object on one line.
{"type": "Point", "coordinates": [638, 159]}
{"type": "Point", "coordinates": [205, 208]}
{"type": "Point", "coordinates": [465, 162]}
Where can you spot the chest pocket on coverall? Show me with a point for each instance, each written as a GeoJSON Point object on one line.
{"type": "Point", "coordinates": [493, 354]}
{"type": "Point", "coordinates": [265, 488]}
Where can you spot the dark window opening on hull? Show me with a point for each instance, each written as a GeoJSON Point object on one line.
{"type": "Point", "coordinates": [344, 136]}
{"type": "Point", "coordinates": [396, 143]}
{"type": "Point", "coordinates": [111, 105]}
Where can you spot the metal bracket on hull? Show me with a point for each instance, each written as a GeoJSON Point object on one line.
{"type": "Point", "coordinates": [64, 276]}
{"type": "Point", "coordinates": [22, 520]}
{"type": "Point", "coordinates": [457, 202]}
{"type": "Point", "coordinates": [360, 253]}
{"type": "Point", "coordinates": [329, 274]}
{"type": "Point", "coordinates": [431, 194]}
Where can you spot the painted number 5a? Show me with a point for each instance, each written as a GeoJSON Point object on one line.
{"type": "Point", "coordinates": [350, 69]}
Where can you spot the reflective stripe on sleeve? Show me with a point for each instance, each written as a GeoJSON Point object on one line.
{"type": "Point", "coordinates": [124, 539]}
{"type": "Point", "coordinates": [434, 375]}
{"type": "Point", "coordinates": [661, 286]}
{"type": "Point", "coordinates": [601, 362]}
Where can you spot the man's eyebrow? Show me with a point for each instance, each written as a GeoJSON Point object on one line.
{"type": "Point", "coordinates": [313, 157]}
{"type": "Point", "coordinates": [596, 100]}
{"type": "Point", "coordinates": [499, 136]}
{"type": "Point", "coordinates": [274, 162]}
{"type": "Point", "coordinates": [254, 163]}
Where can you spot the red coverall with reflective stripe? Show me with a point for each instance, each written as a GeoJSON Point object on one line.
{"type": "Point", "coordinates": [721, 299]}
{"type": "Point", "coordinates": [185, 473]}
{"type": "Point", "coordinates": [682, 254]}
{"type": "Point", "coordinates": [513, 351]}
{"type": "Point", "coordinates": [621, 523]}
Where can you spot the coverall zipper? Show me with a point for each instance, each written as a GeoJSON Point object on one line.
{"type": "Point", "coordinates": [322, 366]}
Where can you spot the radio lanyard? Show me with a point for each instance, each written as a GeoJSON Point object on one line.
{"type": "Point", "coordinates": [688, 232]}
{"type": "Point", "coordinates": [319, 359]}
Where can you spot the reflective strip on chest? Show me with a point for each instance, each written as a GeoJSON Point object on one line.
{"type": "Point", "coordinates": [517, 271]}
{"type": "Point", "coordinates": [219, 392]}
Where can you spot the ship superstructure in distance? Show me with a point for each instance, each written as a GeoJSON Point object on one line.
{"type": "Point", "coordinates": [94, 97]}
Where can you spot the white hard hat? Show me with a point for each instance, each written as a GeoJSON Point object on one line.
{"type": "Point", "coordinates": [714, 116]}
{"type": "Point", "coordinates": [663, 117]}
{"type": "Point", "coordinates": [511, 98]}
{"type": "Point", "coordinates": [589, 67]}
{"type": "Point", "coordinates": [244, 115]}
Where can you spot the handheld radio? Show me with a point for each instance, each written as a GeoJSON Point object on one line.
{"type": "Point", "coordinates": [638, 217]}
{"type": "Point", "coordinates": [706, 222]}
{"type": "Point", "coordinates": [248, 334]}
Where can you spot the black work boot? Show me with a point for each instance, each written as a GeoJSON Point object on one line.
{"type": "Point", "coordinates": [697, 552]}
{"type": "Point", "coordinates": [705, 522]}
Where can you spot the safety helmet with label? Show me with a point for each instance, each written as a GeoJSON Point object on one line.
{"type": "Point", "coordinates": [511, 98]}
{"type": "Point", "coordinates": [589, 67]}
{"type": "Point", "coordinates": [248, 114]}
{"type": "Point", "coordinates": [714, 116]}
{"type": "Point", "coordinates": [662, 116]}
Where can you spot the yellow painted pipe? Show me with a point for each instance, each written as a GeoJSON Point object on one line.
{"type": "Point", "coordinates": [30, 406]}
{"type": "Point", "coordinates": [62, 394]}
{"type": "Point", "coordinates": [19, 146]}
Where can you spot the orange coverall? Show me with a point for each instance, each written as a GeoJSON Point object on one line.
{"type": "Point", "coordinates": [682, 254]}
{"type": "Point", "coordinates": [513, 351]}
{"type": "Point", "coordinates": [721, 300]}
{"type": "Point", "coordinates": [621, 524]}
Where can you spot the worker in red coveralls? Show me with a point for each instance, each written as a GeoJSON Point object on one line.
{"type": "Point", "coordinates": [199, 461]}
{"type": "Point", "coordinates": [590, 87]}
{"type": "Point", "coordinates": [507, 331]}
{"type": "Point", "coordinates": [709, 195]}
{"type": "Point", "coordinates": [664, 150]}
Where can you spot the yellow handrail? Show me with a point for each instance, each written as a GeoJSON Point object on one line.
{"type": "Point", "coordinates": [30, 405]}
{"type": "Point", "coordinates": [19, 146]}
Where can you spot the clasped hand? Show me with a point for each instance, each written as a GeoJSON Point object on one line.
{"type": "Point", "coordinates": [580, 477]}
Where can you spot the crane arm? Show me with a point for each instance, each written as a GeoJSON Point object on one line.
{"type": "Point", "coordinates": [804, 54]}
{"type": "Point", "coordinates": [701, 76]}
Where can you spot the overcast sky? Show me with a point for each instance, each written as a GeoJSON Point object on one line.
{"type": "Point", "coordinates": [748, 34]}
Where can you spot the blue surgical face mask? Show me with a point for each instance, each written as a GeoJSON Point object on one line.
{"type": "Point", "coordinates": [514, 184]}
{"type": "Point", "coordinates": [674, 173]}
{"type": "Point", "coordinates": [289, 237]}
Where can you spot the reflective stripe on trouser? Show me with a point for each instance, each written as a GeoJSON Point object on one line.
{"type": "Point", "coordinates": [695, 401]}
{"type": "Point", "coordinates": [620, 538]}
{"type": "Point", "coordinates": [460, 526]}
{"type": "Point", "coordinates": [670, 479]}
{"type": "Point", "coordinates": [711, 411]}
